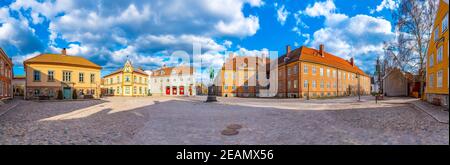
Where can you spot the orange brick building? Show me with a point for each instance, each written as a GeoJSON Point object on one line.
{"type": "Point", "coordinates": [307, 72]}
{"type": "Point", "coordinates": [5, 75]}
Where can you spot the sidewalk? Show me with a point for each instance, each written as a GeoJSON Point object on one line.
{"type": "Point", "coordinates": [8, 105]}
{"type": "Point", "coordinates": [437, 112]}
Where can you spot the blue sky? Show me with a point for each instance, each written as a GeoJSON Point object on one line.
{"type": "Point", "coordinates": [109, 32]}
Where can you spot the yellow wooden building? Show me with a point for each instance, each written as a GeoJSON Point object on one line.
{"type": "Point", "coordinates": [127, 81]}
{"type": "Point", "coordinates": [61, 76]}
{"type": "Point", "coordinates": [437, 81]}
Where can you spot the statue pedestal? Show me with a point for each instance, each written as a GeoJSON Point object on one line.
{"type": "Point", "coordinates": [211, 95]}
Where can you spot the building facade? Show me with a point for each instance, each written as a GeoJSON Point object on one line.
{"type": "Point", "coordinates": [61, 76]}
{"type": "Point", "coordinates": [173, 81]}
{"type": "Point", "coordinates": [127, 81]}
{"type": "Point", "coordinates": [239, 77]}
{"type": "Point", "coordinates": [395, 83]}
{"type": "Point", "coordinates": [437, 69]}
{"type": "Point", "coordinates": [6, 75]}
{"type": "Point", "coordinates": [311, 73]}
{"type": "Point", "coordinates": [18, 84]}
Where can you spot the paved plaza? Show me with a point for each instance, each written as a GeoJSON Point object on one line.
{"type": "Point", "coordinates": [189, 120]}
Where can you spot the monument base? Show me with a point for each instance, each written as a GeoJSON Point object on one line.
{"type": "Point", "coordinates": [211, 94]}
{"type": "Point", "coordinates": [211, 98]}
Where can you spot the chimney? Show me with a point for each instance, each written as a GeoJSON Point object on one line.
{"type": "Point", "coordinates": [288, 49]}
{"type": "Point", "coordinates": [231, 56]}
{"type": "Point", "coordinates": [322, 50]}
{"type": "Point", "coordinates": [352, 62]}
{"type": "Point", "coordinates": [63, 51]}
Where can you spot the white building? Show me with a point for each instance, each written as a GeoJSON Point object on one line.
{"type": "Point", "coordinates": [172, 81]}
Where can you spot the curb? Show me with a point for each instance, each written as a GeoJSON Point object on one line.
{"type": "Point", "coordinates": [8, 109]}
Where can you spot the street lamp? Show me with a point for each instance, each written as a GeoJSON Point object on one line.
{"type": "Point", "coordinates": [359, 93]}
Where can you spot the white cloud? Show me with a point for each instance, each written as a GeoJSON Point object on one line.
{"type": "Point", "coordinates": [18, 60]}
{"type": "Point", "coordinates": [137, 26]}
{"type": "Point", "coordinates": [17, 33]}
{"type": "Point", "coordinates": [227, 44]}
{"type": "Point", "coordinates": [282, 14]}
{"type": "Point", "coordinates": [360, 36]}
{"type": "Point", "coordinates": [320, 9]}
{"type": "Point", "coordinates": [242, 27]}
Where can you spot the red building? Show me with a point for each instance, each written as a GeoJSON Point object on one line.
{"type": "Point", "coordinates": [5, 75]}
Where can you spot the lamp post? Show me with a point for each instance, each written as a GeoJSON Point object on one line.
{"type": "Point", "coordinates": [359, 93]}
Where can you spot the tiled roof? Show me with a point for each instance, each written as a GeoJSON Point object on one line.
{"type": "Point", "coordinates": [312, 55]}
{"type": "Point", "coordinates": [135, 70]}
{"type": "Point", "coordinates": [59, 59]}
{"type": "Point", "coordinates": [19, 77]}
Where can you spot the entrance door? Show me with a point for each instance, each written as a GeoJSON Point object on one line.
{"type": "Point", "coordinates": [67, 93]}
{"type": "Point", "coordinates": [167, 90]}
{"type": "Point", "coordinates": [181, 90]}
{"type": "Point", "coordinates": [174, 90]}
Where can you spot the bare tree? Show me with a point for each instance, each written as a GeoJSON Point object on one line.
{"type": "Point", "coordinates": [414, 22]}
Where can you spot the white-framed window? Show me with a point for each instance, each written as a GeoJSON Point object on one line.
{"type": "Point", "coordinates": [334, 73]}
{"type": "Point", "coordinates": [445, 23]}
{"type": "Point", "coordinates": [321, 71]}
{"type": "Point", "coordinates": [314, 83]}
{"type": "Point", "coordinates": [328, 85]}
{"type": "Point", "coordinates": [328, 72]}
{"type": "Point", "coordinates": [305, 69]}
{"type": "Point", "coordinates": [36, 75]}
{"type": "Point", "coordinates": [92, 77]}
{"type": "Point", "coordinates": [334, 85]}
{"type": "Point", "coordinates": [305, 84]}
{"type": "Point", "coordinates": [295, 69]}
{"type": "Point", "coordinates": [295, 84]}
{"type": "Point", "coordinates": [439, 79]}
{"type": "Point", "coordinates": [37, 92]}
{"type": "Point", "coordinates": [314, 70]}
{"type": "Point", "coordinates": [81, 77]}
{"type": "Point", "coordinates": [50, 76]}
{"type": "Point", "coordinates": [289, 84]}
{"type": "Point", "coordinates": [439, 54]}
{"type": "Point", "coordinates": [430, 60]}
{"type": "Point", "coordinates": [67, 76]}
{"type": "Point", "coordinates": [322, 85]}
{"type": "Point", "coordinates": [436, 34]}
{"type": "Point", "coordinates": [430, 80]}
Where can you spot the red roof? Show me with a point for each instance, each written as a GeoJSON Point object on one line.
{"type": "Point", "coordinates": [312, 55]}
